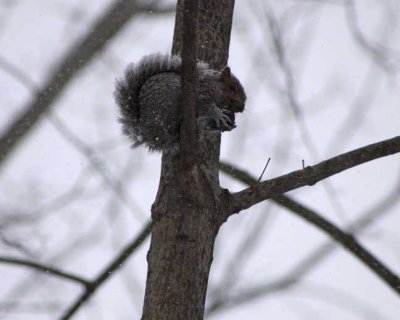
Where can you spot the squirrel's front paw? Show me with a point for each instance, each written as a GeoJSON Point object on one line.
{"type": "Point", "coordinates": [226, 120]}
{"type": "Point", "coordinates": [221, 120]}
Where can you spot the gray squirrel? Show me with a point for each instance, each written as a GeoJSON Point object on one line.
{"type": "Point", "coordinates": [148, 95]}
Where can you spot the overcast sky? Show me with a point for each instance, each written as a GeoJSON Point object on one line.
{"type": "Point", "coordinates": [339, 65]}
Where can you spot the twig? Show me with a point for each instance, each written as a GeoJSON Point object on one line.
{"type": "Point", "coordinates": [236, 263]}
{"type": "Point", "coordinates": [312, 260]}
{"type": "Point", "coordinates": [17, 73]}
{"type": "Point", "coordinates": [16, 245]}
{"type": "Point", "coordinates": [311, 175]}
{"type": "Point", "coordinates": [346, 240]}
{"type": "Point", "coordinates": [262, 173]}
{"type": "Point", "coordinates": [46, 269]}
{"type": "Point", "coordinates": [31, 308]}
{"type": "Point", "coordinates": [96, 163]}
{"type": "Point", "coordinates": [377, 53]}
{"type": "Point", "coordinates": [108, 271]}
{"type": "Point", "coordinates": [290, 93]}
{"type": "Point", "coordinates": [99, 34]}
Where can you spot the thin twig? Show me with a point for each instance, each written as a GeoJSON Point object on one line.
{"type": "Point", "coordinates": [46, 269]}
{"type": "Point", "coordinates": [346, 240]}
{"type": "Point", "coordinates": [312, 260]}
{"type": "Point", "coordinates": [262, 173]}
{"type": "Point", "coordinates": [312, 174]}
{"type": "Point", "coordinates": [86, 48]}
{"type": "Point", "coordinates": [17, 73]}
{"type": "Point", "coordinates": [108, 271]}
{"type": "Point", "coordinates": [377, 53]}
{"type": "Point", "coordinates": [96, 163]}
{"type": "Point", "coordinates": [291, 99]}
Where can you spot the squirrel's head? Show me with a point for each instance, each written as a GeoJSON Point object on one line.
{"type": "Point", "coordinates": [233, 95]}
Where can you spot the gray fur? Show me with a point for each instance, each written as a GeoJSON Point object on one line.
{"type": "Point", "coordinates": [147, 97]}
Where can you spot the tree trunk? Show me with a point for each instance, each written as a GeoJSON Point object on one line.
{"type": "Point", "coordinates": [187, 211]}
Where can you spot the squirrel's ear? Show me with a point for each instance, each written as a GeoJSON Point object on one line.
{"type": "Point", "coordinates": [225, 74]}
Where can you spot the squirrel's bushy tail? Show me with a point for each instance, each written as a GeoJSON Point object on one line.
{"type": "Point", "coordinates": [128, 89]}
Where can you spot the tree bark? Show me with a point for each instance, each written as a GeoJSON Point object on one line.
{"type": "Point", "coordinates": [188, 209]}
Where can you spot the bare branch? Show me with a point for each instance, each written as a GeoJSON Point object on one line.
{"type": "Point", "coordinates": [15, 244]}
{"type": "Point", "coordinates": [17, 73]}
{"type": "Point", "coordinates": [235, 265]}
{"type": "Point", "coordinates": [45, 268]}
{"type": "Point", "coordinates": [31, 308]}
{"type": "Point", "coordinates": [358, 109]}
{"type": "Point", "coordinates": [108, 271]}
{"type": "Point", "coordinates": [342, 299]}
{"type": "Point", "coordinates": [376, 52]}
{"type": "Point", "coordinates": [96, 163]}
{"type": "Point", "coordinates": [308, 263]}
{"type": "Point", "coordinates": [344, 238]}
{"type": "Point", "coordinates": [289, 93]}
{"type": "Point", "coordinates": [311, 175]}
{"type": "Point", "coordinates": [78, 57]}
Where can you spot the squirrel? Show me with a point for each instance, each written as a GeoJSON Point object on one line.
{"type": "Point", "coordinates": [148, 96]}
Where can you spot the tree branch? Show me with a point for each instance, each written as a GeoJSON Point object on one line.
{"type": "Point", "coordinates": [46, 269]}
{"type": "Point", "coordinates": [308, 263]}
{"type": "Point", "coordinates": [17, 73]}
{"type": "Point", "coordinates": [108, 271]}
{"type": "Point", "coordinates": [313, 259]}
{"type": "Point", "coordinates": [97, 163]}
{"type": "Point", "coordinates": [311, 175]}
{"type": "Point", "coordinates": [346, 240]}
{"type": "Point", "coordinates": [378, 53]}
{"type": "Point", "coordinates": [78, 57]}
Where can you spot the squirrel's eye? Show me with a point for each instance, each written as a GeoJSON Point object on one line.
{"type": "Point", "coordinates": [232, 88]}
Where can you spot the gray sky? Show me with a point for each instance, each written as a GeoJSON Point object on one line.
{"type": "Point", "coordinates": [339, 66]}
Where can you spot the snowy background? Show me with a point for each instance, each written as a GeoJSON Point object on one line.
{"type": "Point", "coordinates": [73, 193]}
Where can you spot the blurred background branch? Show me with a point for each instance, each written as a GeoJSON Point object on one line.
{"type": "Point", "coordinates": [322, 77]}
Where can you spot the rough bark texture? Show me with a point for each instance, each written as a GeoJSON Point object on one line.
{"type": "Point", "coordinates": [187, 211]}
{"type": "Point", "coordinates": [214, 28]}
{"type": "Point", "coordinates": [180, 256]}
{"type": "Point", "coordinates": [187, 105]}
